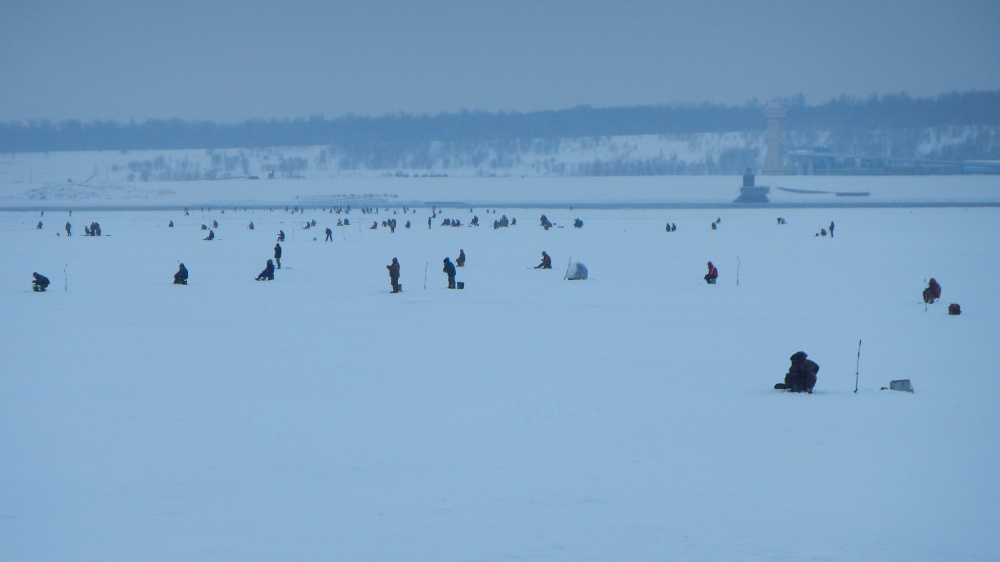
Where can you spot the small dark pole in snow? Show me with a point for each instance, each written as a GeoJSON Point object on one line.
{"type": "Point", "coordinates": [426, 263]}
{"type": "Point", "coordinates": [857, 368]}
{"type": "Point", "coordinates": [65, 279]}
{"type": "Point", "coordinates": [737, 270]}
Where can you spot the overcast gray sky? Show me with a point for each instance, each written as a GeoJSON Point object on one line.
{"type": "Point", "coordinates": [232, 61]}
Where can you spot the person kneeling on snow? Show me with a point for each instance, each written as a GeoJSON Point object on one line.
{"type": "Point", "coordinates": [546, 262]}
{"type": "Point", "coordinates": [801, 376]}
{"type": "Point", "coordinates": [181, 277]}
{"type": "Point", "coordinates": [268, 273]}
{"type": "Point", "coordinates": [932, 292]}
{"type": "Point", "coordinates": [39, 282]}
{"type": "Point", "coordinates": [712, 274]}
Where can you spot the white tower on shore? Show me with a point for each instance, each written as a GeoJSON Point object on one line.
{"type": "Point", "coordinates": [774, 113]}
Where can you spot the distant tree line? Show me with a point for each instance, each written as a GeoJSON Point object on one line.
{"type": "Point", "coordinates": [855, 115]}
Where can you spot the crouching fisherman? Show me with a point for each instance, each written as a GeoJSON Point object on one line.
{"type": "Point", "coordinates": [181, 277]}
{"type": "Point", "coordinates": [268, 273]}
{"type": "Point", "coordinates": [712, 275]}
{"type": "Point", "coordinates": [546, 262]}
{"type": "Point", "coordinates": [39, 282]}
{"type": "Point", "coordinates": [801, 376]}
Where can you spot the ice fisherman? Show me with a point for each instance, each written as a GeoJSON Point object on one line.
{"type": "Point", "coordinates": [329, 235]}
{"type": "Point", "coordinates": [277, 255]}
{"type": "Point", "coordinates": [546, 262]}
{"type": "Point", "coordinates": [449, 268]}
{"type": "Point", "coordinates": [460, 260]}
{"type": "Point", "coordinates": [39, 282]}
{"type": "Point", "coordinates": [268, 273]}
{"type": "Point", "coordinates": [394, 275]}
{"type": "Point", "coordinates": [932, 292]}
{"type": "Point", "coordinates": [801, 376]}
{"type": "Point", "coordinates": [211, 235]}
{"type": "Point", "coordinates": [181, 277]}
{"type": "Point", "coordinates": [712, 274]}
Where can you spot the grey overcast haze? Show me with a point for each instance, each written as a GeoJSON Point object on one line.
{"type": "Point", "coordinates": [234, 61]}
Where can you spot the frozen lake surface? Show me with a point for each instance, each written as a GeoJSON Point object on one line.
{"type": "Point", "coordinates": [630, 416]}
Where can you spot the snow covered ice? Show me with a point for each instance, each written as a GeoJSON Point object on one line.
{"type": "Point", "coordinates": [630, 416]}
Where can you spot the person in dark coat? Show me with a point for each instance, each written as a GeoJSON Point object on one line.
{"type": "Point", "coordinates": [329, 235]}
{"type": "Point", "coordinates": [211, 235]}
{"type": "Point", "coordinates": [277, 254]}
{"type": "Point", "coordinates": [546, 262]}
{"type": "Point", "coordinates": [449, 268]}
{"type": "Point", "coordinates": [801, 375]}
{"type": "Point", "coordinates": [281, 236]}
{"type": "Point", "coordinates": [181, 277]}
{"type": "Point", "coordinates": [69, 231]}
{"type": "Point", "coordinates": [394, 275]}
{"type": "Point", "coordinates": [460, 260]}
{"type": "Point", "coordinates": [712, 274]}
{"type": "Point", "coordinates": [39, 282]}
{"type": "Point", "coordinates": [268, 273]}
{"type": "Point", "coordinates": [932, 292]}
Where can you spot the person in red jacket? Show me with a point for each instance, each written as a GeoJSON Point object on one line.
{"type": "Point", "coordinates": [712, 274]}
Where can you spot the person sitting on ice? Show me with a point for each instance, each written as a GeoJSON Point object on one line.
{"type": "Point", "coordinates": [801, 376]}
{"type": "Point", "coordinates": [546, 262]}
{"type": "Point", "coordinates": [577, 223]}
{"type": "Point", "coordinates": [211, 235]}
{"type": "Point", "coordinates": [712, 274]}
{"type": "Point", "coordinates": [181, 277]}
{"type": "Point", "coordinates": [932, 292]}
{"type": "Point", "coordinates": [39, 225]}
{"type": "Point", "coordinates": [460, 260]}
{"type": "Point", "coordinates": [545, 223]}
{"type": "Point", "coordinates": [268, 273]}
{"type": "Point", "coordinates": [39, 282]}
{"type": "Point", "coordinates": [281, 236]}
{"type": "Point", "coordinates": [251, 225]}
